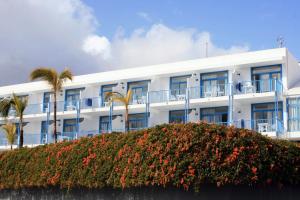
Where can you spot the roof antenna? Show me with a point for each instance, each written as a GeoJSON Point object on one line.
{"type": "Point", "coordinates": [280, 41]}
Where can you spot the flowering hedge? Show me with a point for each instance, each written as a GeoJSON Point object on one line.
{"type": "Point", "coordinates": [167, 155]}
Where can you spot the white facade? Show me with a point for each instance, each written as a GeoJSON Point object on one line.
{"type": "Point", "coordinates": [255, 90]}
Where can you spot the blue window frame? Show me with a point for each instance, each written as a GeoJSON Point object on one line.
{"type": "Point", "coordinates": [43, 132]}
{"type": "Point", "coordinates": [46, 100]}
{"type": "Point", "coordinates": [293, 108]}
{"type": "Point", "coordinates": [214, 84]}
{"type": "Point", "coordinates": [104, 90]}
{"type": "Point", "coordinates": [177, 116]}
{"type": "Point", "coordinates": [217, 115]}
{"type": "Point", "coordinates": [69, 126]}
{"type": "Point", "coordinates": [103, 124]}
{"type": "Point", "coordinates": [137, 121]}
{"type": "Point", "coordinates": [72, 97]}
{"type": "Point", "coordinates": [178, 85]}
{"type": "Point", "coordinates": [263, 116]}
{"type": "Point", "coordinates": [264, 77]}
{"type": "Point", "coordinates": [139, 91]}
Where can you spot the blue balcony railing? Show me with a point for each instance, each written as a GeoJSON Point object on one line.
{"type": "Point", "coordinates": [162, 96]}
{"type": "Point", "coordinates": [215, 90]}
{"type": "Point", "coordinates": [258, 86]}
{"type": "Point", "coordinates": [260, 125]}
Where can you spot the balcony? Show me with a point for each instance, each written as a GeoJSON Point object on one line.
{"type": "Point", "coordinates": [261, 125]}
{"type": "Point", "coordinates": [162, 96]}
{"type": "Point", "coordinates": [258, 86]}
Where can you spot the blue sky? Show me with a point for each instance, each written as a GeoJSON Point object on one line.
{"type": "Point", "coordinates": [256, 23]}
{"type": "Point", "coordinates": [90, 36]}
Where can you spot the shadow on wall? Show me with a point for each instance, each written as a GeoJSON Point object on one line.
{"type": "Point", "coordinates": [155, 193]}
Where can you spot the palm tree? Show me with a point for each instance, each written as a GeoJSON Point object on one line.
{"type": "Point", "coordinates": [56, 81]}
{"type": "Point", "coordinates": [19, 105]}
{"type": "Point", "coordinates": [10, 132]}
{"type": "Point", "coordinates": [124, 99]}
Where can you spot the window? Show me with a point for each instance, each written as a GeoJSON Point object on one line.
{"type": "Point", "coordinates": [46, 100]}
{"type": "Point", "coordinates": [264, 116]}
{"type": "Point", "coordinates": [218, 115]}
{"type": "Point", "coordinates": [71, 98]}
{"type": "Point", "coordinates": [104, 90]}
{"type": "Point", "coordinates": [177, 116]}
{"type": "Point", "coordinates": [44, 132]}
{"type": "Point", "coordinates": [263, 78]}
{"type": "Point", "coordinates": [178, 85]}
{"type": "Point", "coordinates": [137, 121]}
{"type": "Point", "coordinates": [214, 84]}
{"type": "Point", "coordinates": [293, 107]}
{"type": "Point", "coordinates": [69, 126]}
{"type": "Point", "coordinates": [139, 91]}
{"type": "Point", "coordinates": [104, 124]}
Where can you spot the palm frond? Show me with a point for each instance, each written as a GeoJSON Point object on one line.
{"type": "Point", "coordinates": [111, 95]}
{"type": "Point", "coordinates": [46, 74]}
{"type": "Point", "coordinates": [129, 96]}
{"type": "Point", "coordinates": [5, 106]}
{"type": "Point", "coordinates": [19, 104]}
{"type": "Point", "coordinates": [66, 75]}
{"type": "Point", "coordinates": [10, 132]}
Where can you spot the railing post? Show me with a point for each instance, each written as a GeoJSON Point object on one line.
{"type": "Point", "coordinates": [18, 132]}
{"type": "Point", "coordinates": [276, 108]}
{"type": "Point", "coordinates": [77, 118]}
{"type": "Point", "coordinates": [110, 117]}
{"type": "Point", "coordinates": [147, 109]}
{"type": "Point", "coordinates": [47, 122]}
{"type": "Point", "coordinates": [230, 107]}
{"type": "Point", "coordinates": [187, 105]}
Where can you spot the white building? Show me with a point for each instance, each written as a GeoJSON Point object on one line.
{"type": "Point", "coordinates": [255, 90]}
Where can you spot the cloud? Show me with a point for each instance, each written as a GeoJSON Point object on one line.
{"type": "Point", "coordinates": [44, 33]}
{"type": "Point", "coordinates": [145, 16]}
{"type": "Point", "coordinates": [97, 46]}
{"type": "Point", "coordinates": [60, 33]}
{"type": "Point", "coordinates": [161, 44]}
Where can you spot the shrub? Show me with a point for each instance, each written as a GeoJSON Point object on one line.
{"type": "Point", "coordinates": [181, 155]}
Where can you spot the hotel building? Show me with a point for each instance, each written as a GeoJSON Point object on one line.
{"type": "Point", "coordinates": [257, 90]}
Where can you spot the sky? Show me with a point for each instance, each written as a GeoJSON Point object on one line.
{"type": "Point", "coordinates": [89, 36]}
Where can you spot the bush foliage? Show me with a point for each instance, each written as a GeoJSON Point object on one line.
{"type": "Point", "coordinates": [180, 155]}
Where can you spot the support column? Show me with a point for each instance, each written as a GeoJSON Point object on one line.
{"type": "Point", "coordinates": [187, 105]}
{"type": "Point", "coordinates": [48, 122]}
{"type": "Point", "coordinates": [147, 109]}
{"type": "Point", "coordinates": [18, 133]}
{"type": "Point", "coordinates": [230, 107]}
{"type": "Point", "coordinates": [276, 109]}
{"type": "Point", "coordinates": [77, 119]}
{"type": "Point", "coordinates": [110, 117]}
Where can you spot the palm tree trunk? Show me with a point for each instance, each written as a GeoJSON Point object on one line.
{"type": "Point", "coordinates": [21, 132]}
{"type": "Point", "coordinates": [55, 132]}
{"type": "Point", "coordinates": [11, 147]}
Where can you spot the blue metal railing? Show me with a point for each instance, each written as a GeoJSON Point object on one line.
{"type": "Point", "coordinates": [260, 125]}
{"type": "Point", "coordinates": [163, 96]}
{"type": "Point", "coordinates": [215, 90]}
{"type": "Point", "coordinates": [258, 86]}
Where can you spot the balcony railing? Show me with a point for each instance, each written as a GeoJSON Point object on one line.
{"type": "Point", "coordinates": [260, 125]}
{"type": "Point", "coordinates": [162, 96]}
{"type": "Point", "coordinates": [216, 90]}
{"type": "Point", "coordinates": [258, 86]}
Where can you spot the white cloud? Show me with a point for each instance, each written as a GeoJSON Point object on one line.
{"type": "Point", "coordinates": [44, 33]}
{"type": "Point", "coordinates": [59, 33]}
{"type": "Point", "coordinates": [162, 44]}
{"type": "Point", "coordinates": [97, 46]}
